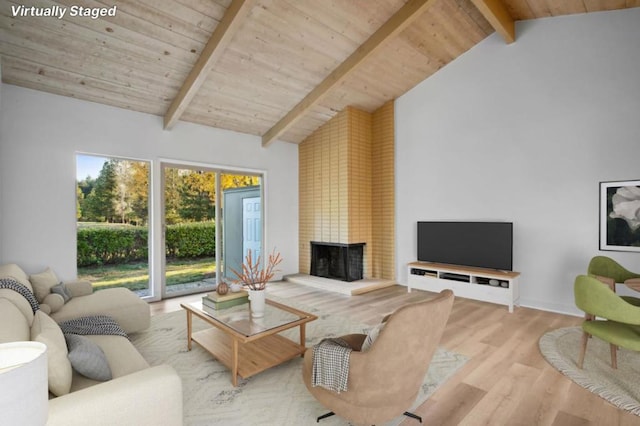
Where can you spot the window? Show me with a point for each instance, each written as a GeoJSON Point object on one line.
{"type": "Point", "coordinates": [112, 211]}
{"type": "Point", "coordinates": [210, 219]}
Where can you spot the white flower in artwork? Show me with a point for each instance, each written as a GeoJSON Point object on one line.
{"type": "Point", "coordinates": [626, 205]}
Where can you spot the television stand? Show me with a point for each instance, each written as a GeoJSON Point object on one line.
{"type": "Point", "coordinates": [487, 285]}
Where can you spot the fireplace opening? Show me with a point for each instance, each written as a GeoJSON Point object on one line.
{"type": "Point", "coordinates": [336, 260]}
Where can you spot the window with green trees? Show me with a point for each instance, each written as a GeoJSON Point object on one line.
{"type": "Point", "coordinates": [112, 211]}
{"type": "Point", "coordinates": [113, 215]}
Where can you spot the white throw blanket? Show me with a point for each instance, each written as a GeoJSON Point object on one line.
{"type": "Point", "coordinates": [331, 364]}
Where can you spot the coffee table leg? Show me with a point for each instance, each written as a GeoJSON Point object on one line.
{"type": "Point", "coordinates": [234, 369]}
{"type": "Point", "coordinates": [303, 338]}
{"type": "Point", "coordinates": [189, 330]}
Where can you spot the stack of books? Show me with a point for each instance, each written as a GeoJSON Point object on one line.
{"type": "Point", "coordinates": [216, 301]}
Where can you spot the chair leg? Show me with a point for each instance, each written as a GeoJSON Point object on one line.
{"type": "Point", "coordinates": [324, 416]}
{"type": "Point", "coordinates": [406, 413]}
{"type": "Point", "coordinates": [413, 416]}
{"type": "Point", "coordinates": [614, 356]}
{"type": "Point", "coordinates": [585, 340]}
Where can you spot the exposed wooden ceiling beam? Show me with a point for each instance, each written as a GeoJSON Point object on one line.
{"type": "Point", "coordinates": [222, 35]}
{"type": "Point", "coordinates": [396, 24]}
{"type": "Point", "coordinates": [498, 16]}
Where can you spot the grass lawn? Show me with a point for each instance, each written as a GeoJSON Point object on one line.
{"type": "Point", "coordinates": [135, 276]}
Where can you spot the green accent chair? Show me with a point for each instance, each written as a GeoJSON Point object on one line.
{"type": "Point", "coordinates": [609, 317]}
{"type": "Point", "coordinates": [602, 266]}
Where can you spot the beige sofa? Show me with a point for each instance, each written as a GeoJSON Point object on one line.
{"type": "Point", "coordinates": [137, 394]}
{"type": "Point", "coordinates": [129, 311]}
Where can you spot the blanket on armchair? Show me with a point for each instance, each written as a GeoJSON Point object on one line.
{"type": "Point", "coordinates": [330, 367]}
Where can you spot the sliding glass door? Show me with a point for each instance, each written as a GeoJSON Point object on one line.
{"type": "Point", "coordinates": [189, 223]}
{"type": "Point", "coordinates": [241, 221]}
{"type": "Point", "coordinates": [210, 220]}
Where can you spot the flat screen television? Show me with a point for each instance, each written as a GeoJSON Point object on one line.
{"type": "Point", "coordinates": [480, 244]}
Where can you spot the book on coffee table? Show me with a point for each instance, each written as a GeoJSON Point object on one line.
{"type": "Point", "coordinates": [217, 301]}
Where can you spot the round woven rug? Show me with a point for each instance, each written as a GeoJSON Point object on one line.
{"type": "Point", "coordinates": [621, 387]}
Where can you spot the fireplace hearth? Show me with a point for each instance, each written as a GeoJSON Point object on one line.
{"type": "Point", "coordinates": [337, 260]}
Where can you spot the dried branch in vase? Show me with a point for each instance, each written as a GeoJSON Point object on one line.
{"type": "Point", "coordinates": [253, 276]}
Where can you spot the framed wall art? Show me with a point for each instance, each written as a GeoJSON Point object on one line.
{"type": "Point", "coordinates": [620, 215]}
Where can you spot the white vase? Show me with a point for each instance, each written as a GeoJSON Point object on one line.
{"type": "Point", "coordinates": [257, 299]}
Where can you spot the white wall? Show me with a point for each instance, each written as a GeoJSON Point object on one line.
{"type": "Point", "coordinates": [1, 155]}
{"type": "Point", "coordinates": [40, 134]}
{"type": "Point", "coordinates": [525, 133]}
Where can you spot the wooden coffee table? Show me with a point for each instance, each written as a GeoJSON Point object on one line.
{"type": "Point", "coordinates": [246, 345]}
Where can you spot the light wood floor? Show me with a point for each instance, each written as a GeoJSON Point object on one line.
{"type": "Point", "coordinates": [506, 380]}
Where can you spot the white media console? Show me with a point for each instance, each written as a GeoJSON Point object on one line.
{"type": "Point", "coordinates": [488, 285]}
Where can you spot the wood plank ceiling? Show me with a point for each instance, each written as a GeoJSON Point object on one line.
{"type": "Point", "coordinates": [274, 68]}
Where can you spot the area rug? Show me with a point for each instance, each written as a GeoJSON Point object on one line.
{"type": "Point", "coordinates": [621, 387]}
{"type": "Point", "coordinates": [277, 396]}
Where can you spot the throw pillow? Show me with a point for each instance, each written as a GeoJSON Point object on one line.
{"type": "Point", "coordinates": [61, 289]}
{"type": "Point", "coordinates": [53, 301]}
{"type": "Point", "coordinates": [42, 283]}
{"type": "Point", "coordinates": [47, 331]}
{"type": "Point", "coordinates": [11, 270]}
{"type": "Point", "coordinates": [371, 337]}
{"type": "Point", "coordinates": [87, 358]}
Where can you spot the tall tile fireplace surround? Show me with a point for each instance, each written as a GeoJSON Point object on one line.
{"type": "Point", "coordinates": [337, 261]}
{"type": "Point", "coordinates": [347, 188]}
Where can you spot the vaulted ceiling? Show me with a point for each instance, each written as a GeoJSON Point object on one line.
{"type": "Point", "coordinates": [274, 68]}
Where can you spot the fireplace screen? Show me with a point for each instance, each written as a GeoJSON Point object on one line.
{"type": "Point", "coordinates": [337, 261]}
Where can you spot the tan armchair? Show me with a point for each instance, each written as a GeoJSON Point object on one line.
{"type": "Point", "coordinates": [385, 381]}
